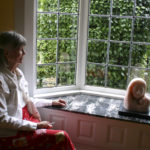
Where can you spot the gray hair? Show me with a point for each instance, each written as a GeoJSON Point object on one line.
{"type": "Point", "coordinates": [11, 40]}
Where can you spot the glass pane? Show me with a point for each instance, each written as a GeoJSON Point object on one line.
{"type": "Point", "coordinates": [141, 73]}
{"type": "Point", "coordinates": [46, 51]}
{"type": "Point", "coordinates": [95, 75]}
{"type": "Point", "coordinates": [121, 29]}
{"type": "Point", "coordinates": [98, 27]}
{"type": "Point", "coordinates": [47, 5]}
{"type": "Point", "coordinates": [142, 30]}
{"type": "Point", "coordinates": [119, 53]}
{"type": "Point", "coordinates": [101, 7]}
{"type": "Point", "coordinates": [46, 76]}
{"type": "Point", "coordinates": [68, 26]}
{"type": "Point", "coordinates": [143, 8]}
{"type": "Point", "coordinates": [141, 56]}
{"type": "Point", "coordinates": [69, 6]}
{"type": "Point", "coordinates": [117, 77]}
{"type": "Point", "coordinates": [97, 51]}
{"type": "Point", "coordinates": [67, 50]}
{"type": "Point", "coordinates": [123, 7]}
{"type": "Point", "coordinates": [66, 74]}
{"type": "Point", "coordinates": [47, 26]}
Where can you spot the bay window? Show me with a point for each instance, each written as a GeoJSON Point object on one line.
{"type": "Point", "coordinates": [96, 45]}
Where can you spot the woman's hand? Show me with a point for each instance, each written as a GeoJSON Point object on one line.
{"type": "Point", "coordinates": [59, 103]}
{"type": "Point", "coordinates": [44, 125]}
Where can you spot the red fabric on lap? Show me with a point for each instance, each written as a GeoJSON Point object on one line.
{"type": "Point", "coordinates": [41, 139]}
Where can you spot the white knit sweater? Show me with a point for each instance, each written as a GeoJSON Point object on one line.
{"type": "Point", "coordinates": [13, 97]}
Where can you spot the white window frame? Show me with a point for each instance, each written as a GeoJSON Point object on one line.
{"type": "Point", "coordinates": [29, 63]}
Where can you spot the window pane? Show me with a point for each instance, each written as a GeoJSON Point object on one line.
{"type": "Point", "coordinates": [69, 6]}
{"type": "Point", "coordinates": [46, 51]}
{"type": "Point", "coordinates": [141, 55]}
{"type": "Point", "coordinates": [121, 29]}
{"type": "Point", "coordinates": [66, 74]}
{"type": "Point", "coordinates": [124, 28]}
{"type": "Point", "coordinates": [47, 26]}
{"type": "Point", "coordinates": [123, 7]}
{"type": "Point", "coordinates": [100, 7]}
{"type": "Point", "coordinates": [46, 76]}
{"type": "Point", "coordinates": [56, 34]}
{"type": "Point", "coordinates": [141, 73]}
{"type": "Point", "coordinates": [67, 26]}
{"type": "Point", "coordinates": [67, 50]}
{"type": "Point", "coordinates": [98, 27]}
{"type": "Point", "coordinates": [119, 53]}
{"type": "Point", "coordinates": [117, 77]}
{"type": "Point", "coordinates": [142, 30]}
{"type": "Point", "coordinates": [47, 5]}
{"type": "Point", "coordinates": [95, 75]}
{"type": "Point", "coordinates": [97, 51]}
{"type": "Point", "coordinates": [143, 8]}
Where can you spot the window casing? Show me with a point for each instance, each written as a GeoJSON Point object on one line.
{"type": "Point", "coordinates": [84, 39]}
{"type": "Point", "coordinates": [112, 53]}
{"type": "Point", "coordinates": [57, 30]}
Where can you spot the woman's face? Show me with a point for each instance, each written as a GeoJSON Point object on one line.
{"type": "Point", "coordinates": [15, 56]}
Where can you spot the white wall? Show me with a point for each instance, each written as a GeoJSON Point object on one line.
{"type": "Point", "coordinates": [24, 15]}
{"type": "Point", "coordinates": [99, 133]}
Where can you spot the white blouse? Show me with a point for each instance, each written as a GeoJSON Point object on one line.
{"type": "Point", "coordinates": [13, 97]}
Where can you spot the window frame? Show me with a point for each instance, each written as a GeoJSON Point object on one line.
{"type": "Point", "coordinates": [29, 62]}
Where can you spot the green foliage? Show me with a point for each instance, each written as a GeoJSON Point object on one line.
{"type": "Point", "coordinates": [67, 50]}
{"type": "Point", "coordinates": [46, 51]}
{"type": "Point", "coordinates": [47, 5]}
{"type": "Point", "coordinates": [97, 51]}
{"type": "Point", "coordinates": [68, 26]}
{"type": "Point", "coordinates": [95, 75]}
{"type": "Point", "coordinates": [46, 76]}
{"type": "Point", "coordinates": [69, 6]}
{"type": "Point", "coordinates": [50, 24]}
{"type": "Point", "coordinates": [100, 7]}
{"type": "Point", "coordinates": [66, 74]}
{"type": "Point", "coordinates": [56, 57]}
{"type": "Point", "coordinates": [123, 7]}
{"type": "Point", "coordinates": [142, 8]}
{"type": "Point", "coordinates": [142, 30]}
{"type": "Point", "coordinates": [47, 26]}
{"type": "Point", "coordinates": [119, 54]}
{"type": "Point", "coordinates": [117, 77]}
{"type": "Point", "coordinates": [121, 29]}
{"type": "Point", "coordinates": [98, 27]}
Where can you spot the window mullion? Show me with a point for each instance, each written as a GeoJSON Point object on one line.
{"type": "Point", "coordinates": [57, 44]}
{"type": "Point", "coordinates": [82, 42]}
{"type": "Point", "coordinates": [131, 43]}
{"type": "Point", "coordinates": [29, 61]}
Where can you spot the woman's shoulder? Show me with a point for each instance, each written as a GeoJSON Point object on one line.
{"type": "Point", "coordinates": [19, 72]}
{"type": "Point", "coordinates": [3, 84]}
{"type": "Point", "coordinates": [1, 76]}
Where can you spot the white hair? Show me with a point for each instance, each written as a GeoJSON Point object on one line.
{"type": "Point", "coordinates": [12, 40]}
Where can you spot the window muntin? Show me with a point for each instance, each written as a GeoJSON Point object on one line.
{"type": "Point", "coordinates": [117, 48]}
{"type": "Point", "coordinates": [56, 32]}
{"type": "Point", "coordinates": [118, 42]}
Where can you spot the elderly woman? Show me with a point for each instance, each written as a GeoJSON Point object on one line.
{"type": "Point", "coordinates": [20, 124]}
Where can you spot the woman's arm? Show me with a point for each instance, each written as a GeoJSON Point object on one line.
{"type": "Point", "coordinates": [11, 122]}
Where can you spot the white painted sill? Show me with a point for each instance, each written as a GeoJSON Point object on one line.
{"type": "Point", "coordinates": [71, 92]}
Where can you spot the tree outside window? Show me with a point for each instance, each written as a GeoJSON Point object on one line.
{"type": "Point", "coordinates": [118, 42]}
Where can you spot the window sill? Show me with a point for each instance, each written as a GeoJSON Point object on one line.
{"type": "Point", "coordinates": [71, 92]}
{"type": "Point", "coordinates": [83, 102]}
